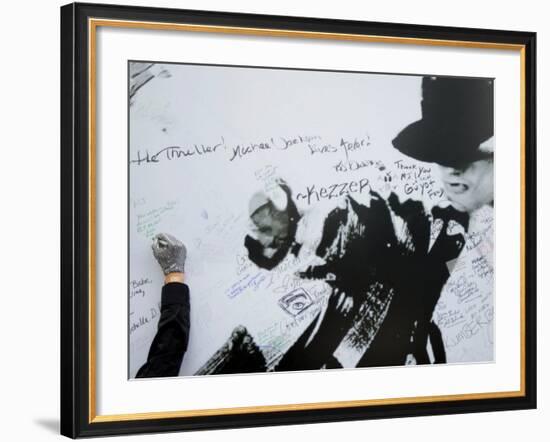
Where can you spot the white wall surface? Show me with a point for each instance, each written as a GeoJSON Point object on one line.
{"type": "Point", "coordinates": [29, 179]}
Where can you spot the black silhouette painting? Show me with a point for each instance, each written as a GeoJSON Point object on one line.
{"type": "Point", "coordinates": [332, 220]}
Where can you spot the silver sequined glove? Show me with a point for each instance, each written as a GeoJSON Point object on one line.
{"type": "Point", "coordinates": [169, 252]}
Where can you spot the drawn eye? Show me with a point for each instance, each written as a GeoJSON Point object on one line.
{"type": "Point", "coordinates": [296, 300]}
{"type": "Point", "coordinates": [294, 303]}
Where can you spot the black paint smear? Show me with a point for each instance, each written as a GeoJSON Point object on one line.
{"type": "Point", "coordinates": [359, 245]}
{"type": "Point", "coordinates": [139, 84]}
{"type": "Point", "coordinates": [369, 317]}
{"type": "Point", "coordinates": [239, 354]}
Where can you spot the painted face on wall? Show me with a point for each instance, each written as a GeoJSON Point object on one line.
{"type": "Point", "coordinates": [470, 187]}
{"type": "Point", "coordinates": [271, 226]}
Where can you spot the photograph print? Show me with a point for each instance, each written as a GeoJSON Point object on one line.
{"type": "Point", "coordinates": [291, 219]}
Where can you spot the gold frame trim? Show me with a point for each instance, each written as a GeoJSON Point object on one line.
{"type": "Point", "coordinates": [93, 24]}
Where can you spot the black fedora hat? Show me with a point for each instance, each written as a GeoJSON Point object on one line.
{"type": "Point", "coordinates": [457, 116]}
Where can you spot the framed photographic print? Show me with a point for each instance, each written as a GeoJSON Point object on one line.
{"type": "Point", "coordinates": [275, 220]}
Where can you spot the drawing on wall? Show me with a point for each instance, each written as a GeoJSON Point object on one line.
{"type": "Point", "coordinates": [331, 219]}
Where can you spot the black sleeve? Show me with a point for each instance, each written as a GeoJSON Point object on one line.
{"type": "Point", "coordinates": [170, 342]}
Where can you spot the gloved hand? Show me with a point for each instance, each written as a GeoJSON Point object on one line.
{"type": "Point", "coordinates": [169, 252]}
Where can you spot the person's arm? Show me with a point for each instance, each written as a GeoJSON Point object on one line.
{"type": "Point", "coordinates": [170, 342]}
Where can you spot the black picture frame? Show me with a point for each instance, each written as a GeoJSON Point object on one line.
{"type": "Point", "coordinates": [77, 405]}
